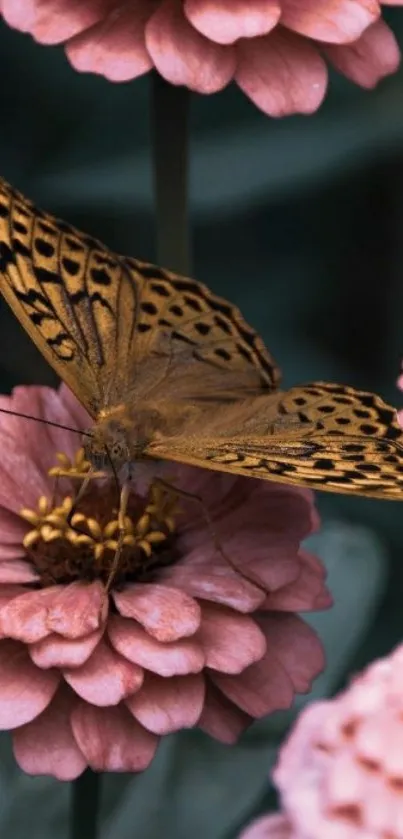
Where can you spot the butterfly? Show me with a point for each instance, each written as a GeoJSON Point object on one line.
{"type": "Point", "coordinates": [170, 371]}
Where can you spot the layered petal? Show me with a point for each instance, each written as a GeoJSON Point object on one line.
{"type": "Point", "coordinates": [221, 718]}
{"type": "Point", "coordinates": [25, 690]}
{"type": "Point", "coordinates": [282, 74]}
{"type": "Point", "coordinates": [293, 658]}
{"type": "Point", "coordinates": [115, 45]}
{"type": "Point", "coordinates": [176, 658]}
{"type": "Point", "coordinates": [56, 651]}
{"type": "Point", "coordinates": [46, 746]}
{"type": "Point", "coordinates": [335, 21]}
{"type": "Point", "coordinates": [218, 629]}
{"type": "Point", "coordinates": [166, 613]}
{"type": "Point", "coordinates": [205, 44]}
{"type": "Point", "coordinates": [111, 739]}
{"type": "Point", "coordinates": [77, 610]}
{"type": "Point", "coordinates": [374, 55]}
{"type": "Point", "coordinates": [225, 21]}
{"type": "Point", "coordinates": [183, 56]}
{"type": "Point", "coordinates": [166, 705]}
{"type": "Point", "coordinates": [106, 678]}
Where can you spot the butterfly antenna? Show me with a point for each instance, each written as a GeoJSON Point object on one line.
{"type": "Point", "coordinates": [44, 421]}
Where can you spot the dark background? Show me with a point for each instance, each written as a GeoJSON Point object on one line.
{"type": "Point", "coordinates": [299, 222]}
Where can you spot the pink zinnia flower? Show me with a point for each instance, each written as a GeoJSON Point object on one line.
{"type": "Point", "coordinates": [340, 773]}
{"type": "Point", "coordinates": [182, 638]}
{"type": "Point", "coordinates": [275, 50]}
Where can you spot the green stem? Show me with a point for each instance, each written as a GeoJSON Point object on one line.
{"type": "Point", "coordinates": [170, 146]}
{"type": "Point", "coordinates": [85, 806]}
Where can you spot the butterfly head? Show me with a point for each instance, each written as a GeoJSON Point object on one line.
{"type": "Point", "coordinates": [106, 447]}
{"type": "Point", "coordinates": [118, 438]}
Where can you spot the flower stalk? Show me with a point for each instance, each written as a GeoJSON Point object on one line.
{"type": "Point", "coordinates": [85, 805]}
{"type": "Point", "coordinates": [170, 147]}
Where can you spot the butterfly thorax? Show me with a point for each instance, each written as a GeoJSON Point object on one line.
{"type": "Point", "coordinates": [119, 437]}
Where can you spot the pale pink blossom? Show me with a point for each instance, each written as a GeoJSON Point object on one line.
{"type": "Point", "coordinates": [340, 773]}
{"type": "Point", "coordinates": [183, 638]}
{"type": "Point", "coordinates": [275, 50]}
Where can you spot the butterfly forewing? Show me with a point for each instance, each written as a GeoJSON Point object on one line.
{"type": "Point", "coordinates": [112, 326]}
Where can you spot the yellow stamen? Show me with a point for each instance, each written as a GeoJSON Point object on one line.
{"type": "Point", "coordinates": [77, 519]}
{"type": "Point", "coordinates": [143, 525]}
{"type": "Point", "coordinates": [48, 533]}
{"type": "Point", "coordinates": [43, 505]}
{"type": "Point", "coordinates": [57, 520]}
{"type": "Point", "coordinates": [30, 538]}
{"type": "Point", "coordinates": [94, 528]}
{"type": "Point", "coordinates": [99, 549]}
{"type": "Point", "coordinates": [85, 536]}
{"type": "Point", "coordinates": [111, 528]}
{"type": "Point", "coordinates": [30, 516]}
{"type": "Point", "coordinates": [155, 537]}
{"type": "Point", "coordinates": [145, 547]}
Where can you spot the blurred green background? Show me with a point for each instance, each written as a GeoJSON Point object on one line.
{"type": "Point", "coordinates": [299, 222]}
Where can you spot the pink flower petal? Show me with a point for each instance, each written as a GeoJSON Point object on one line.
{"type": "Point", "coordinates": [221, 719]}
{"type": "Point", "coordinates": [111, 739]}
{"type": "Point", "coordinates": [225, 21]}
{"type": "Point", "coordinates": [17, 571]}
{"type": "Point", "coordinates": [281, 73]}
{"type": "Point", "coordinates": [182, 55]}
{"type": "Point", "coordinates": [274, 826]}
{"type": "Point", "coordinates": [25, 690]}
{"type": "Point", "coordinates": [306, 593]}
{"type": "Point", "coordinates": [167, 705]}
{"type": "Point", "coordinates": [42, 440]}
{"type": "Point", "coordinates": [14, 493]}
{"type": "Point", "coordinates": [166, 613]}
{"type": "Point", "coordinates": [230, 641]}
{"type": "Point", "coordinates": [106, 678]}
{"type": "Point", "coordinates": [114, 47]}
{"type": "Point", "coordinates": [177, 658]}
{"type": "Point", "coordinates": [25, 617]}
{"type": "Point", "coordinates": [293, 659]}
{"type": "Point", "coordinates": [296, 646]}
{"type": "Point", "coordinates": [212, 585]}
{"type": "Point", "coordinates": [9, 551]}
{"type": "Point", "coordinates": [55, 651]}
{"type": "Point", "coordinates": [46, 745]}
{"type": "Point", "coordinates": [375, 55]}
{"type": "Point", "coordinates": [72, 611]}
{"type": "Point", "coordinates": [12, 529]}
{"type": "Point", "coordinates": [262, 688]}
{"type": "Point", "coordinates": [78, 609]}
{"type": "Point", "coordinates": [336, 21]}
{"type": "Point", "coordinates": [9, 592]}
{"type": "Point", "coordinates": [272, 565]}
{"type": "Point", "coordinates": [54, 21]}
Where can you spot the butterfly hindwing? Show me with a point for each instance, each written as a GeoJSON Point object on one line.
{"type": "Point", "coordinates": [304, 444]}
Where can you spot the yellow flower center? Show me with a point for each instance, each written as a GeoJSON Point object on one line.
{"type": "Point", "coordinates": [70, 541]}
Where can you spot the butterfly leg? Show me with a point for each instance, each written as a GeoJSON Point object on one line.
{"type": "Point", "coordinates": [123, 502]}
